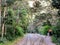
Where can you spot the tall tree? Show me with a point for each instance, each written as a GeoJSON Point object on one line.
{"type": "Point", "coordinates": [0, 14]}
{"type": "Point", "coordinates": [56, 4]}
{"type": "Point", "coordinates": [5, 4]}
{"type": "Point", "coordinates": [4, 13]}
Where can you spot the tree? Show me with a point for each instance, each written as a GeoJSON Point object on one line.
{"type": "Point", "coordinates": [56, 29]}
{"type": "Point", "coordinates": [46, 23]}
{"type": "Point", "coordinates": [56, 4]}
{"type": "Point", "coordinates": [5, 4]}
{"type": "Point", "coordinates": [0, 15]}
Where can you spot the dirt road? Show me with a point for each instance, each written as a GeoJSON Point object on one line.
{"type": "Point", "coordinates": [35, 39]}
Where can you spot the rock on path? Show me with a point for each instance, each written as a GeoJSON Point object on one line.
{"type": "Point", "coordinates": [35, 39]}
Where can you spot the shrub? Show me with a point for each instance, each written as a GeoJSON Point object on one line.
{"type": "Point", "coordinates": [54, 40]}
{"type": "Point", "coordinates": [56, 31]}
{"type": "Point", "coordinates": [9, 32]}
{"type": "Point", "coordinates": [12, 33]}
{"type": "Point", "coordinates": [19, 30]}
{"type": "Point", "coordinates": [44, 30]}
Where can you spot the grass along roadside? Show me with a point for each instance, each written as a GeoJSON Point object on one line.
{"type": "Point", "coordinates": [11, 42]}
{"type": "Point", "coordinates": [56, 40]}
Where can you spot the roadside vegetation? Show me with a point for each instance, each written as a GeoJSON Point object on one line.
{"type": "Point", "coordinates": [19, 18]}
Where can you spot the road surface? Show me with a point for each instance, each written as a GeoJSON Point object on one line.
{"type": "Point", "coordinates": [35, 39]}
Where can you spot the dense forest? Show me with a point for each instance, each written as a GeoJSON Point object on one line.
{"type": "Point", "coordinates": [19, 17]}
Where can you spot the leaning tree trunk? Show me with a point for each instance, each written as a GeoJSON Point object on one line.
{"type": "Point", "coordinates": [3, 25]}
{"type": "Point", "coordinates": [0, 17]}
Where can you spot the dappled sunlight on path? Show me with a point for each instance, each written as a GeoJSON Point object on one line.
{"type": "Point", "coordinates": [35, 39]}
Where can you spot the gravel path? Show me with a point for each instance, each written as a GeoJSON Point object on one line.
{"type": "Point", "coordinates": [35, 39]}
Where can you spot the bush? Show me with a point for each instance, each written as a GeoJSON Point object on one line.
{"type": "Point", "coordinates": [19, 31]}
{"type": "Point", "coordinates": [12, 33]}
{"type": "Point", "coordinates": [44, 30]}
{"type": "Point", "coordinates": [56, 31]}
{"type": "Point", "coordinates": [54, 40]}
{"type": "Point", "coordinates": [9, 33]}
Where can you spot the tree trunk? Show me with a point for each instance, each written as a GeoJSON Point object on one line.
{"type": "Point", "coordinates": [3, 25]}
{"type": "Point", "coordinates": [0, 17]}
